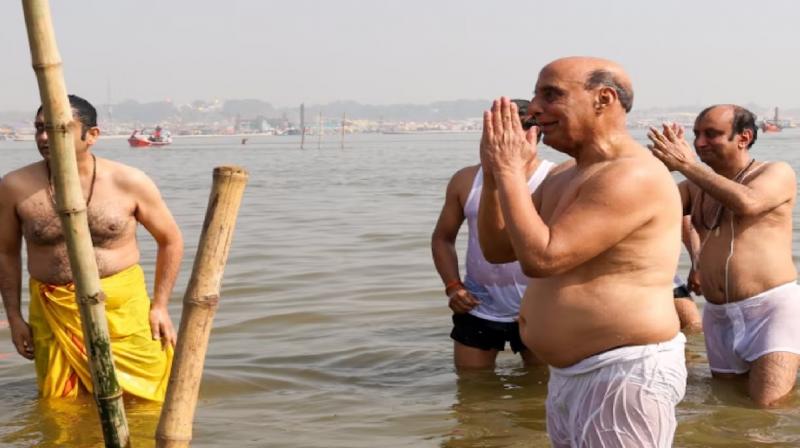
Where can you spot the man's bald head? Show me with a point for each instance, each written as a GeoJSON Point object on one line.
{"type": "Point", "coordinates": [594, 73]}
{"type": "Point", "coordinates": [579, 100]}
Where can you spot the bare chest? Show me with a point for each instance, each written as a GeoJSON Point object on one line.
{"type": "Point", "coordinates": [708, 214]}
{"type": "Point", "coordinates": [109, 221]}
{"type": "Point", "coordinates": [558, 193]}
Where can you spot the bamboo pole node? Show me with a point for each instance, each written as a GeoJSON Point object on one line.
{"type": "Point", "coordinates": [71, 211]}
{"type": "Point", "coordinates": [206, 301]}
{"type": "Point", "coordinates": [46, 65]}
{"type": "Point", "coordinates": [110, 397]}
{"type": "Point", "coordinates": [63, 127]}
{"type": "Point", "coordinates": [92, 299]}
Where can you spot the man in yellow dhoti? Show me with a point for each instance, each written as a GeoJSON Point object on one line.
{"type": "Point", "coordinates": [142, 367]}
{"type": "Point", "coordinates": [118, 197]}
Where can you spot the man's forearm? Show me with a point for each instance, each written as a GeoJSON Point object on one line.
{"type": "Point", "coordinates": [445, 259]}
{"type": "Point", "coordinates": [528, 234]}
{"type": "Point", "coordinates": [494, 241]}
{"type": "Point", "coordinates": [10, 285]}
{"type": "Point", "coordinates": [168, 264]}
{"type": "Point", "coordinates": [732, 195]}
{"type": "Point", "coordinates": [690, 238]}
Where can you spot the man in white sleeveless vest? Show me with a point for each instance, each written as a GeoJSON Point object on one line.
{"type": "Point", "coordinates": [486, 304]}
{"type": "Point", "coordinates": [743, 213]}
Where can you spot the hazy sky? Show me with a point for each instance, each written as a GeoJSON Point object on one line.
{"type": "Point", "coordinates": [408, 51]}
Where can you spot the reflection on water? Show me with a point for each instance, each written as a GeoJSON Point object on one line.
{"type": "Point", "coordinates": [332, 330]}
{"type": "Point", "coordinates": [501, 408]}
{"type": "Point", "coordinates": [75, 423]}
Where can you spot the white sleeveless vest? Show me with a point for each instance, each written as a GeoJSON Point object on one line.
{"type": "Point", "coordinates": [499, 287]}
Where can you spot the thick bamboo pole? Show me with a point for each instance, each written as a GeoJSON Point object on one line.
{"type": "Point", "coordinates": [71, 208]}
{"type": "Point", "coordinates": [199, 305]}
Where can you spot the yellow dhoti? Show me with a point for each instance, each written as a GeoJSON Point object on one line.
{"type": "Point", "coordinates": [141, 366]}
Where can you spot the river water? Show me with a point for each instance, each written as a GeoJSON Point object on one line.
{"type": "Point", "coordinates": [333, 330]}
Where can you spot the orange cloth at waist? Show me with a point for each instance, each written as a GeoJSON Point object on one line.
{"type": "Point", "coordinates": [142, 367]}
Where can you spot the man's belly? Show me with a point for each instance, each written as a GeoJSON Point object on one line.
{"type": "Point", "coordinates": [51, 265]}
{"type": "Point", "coordinates": [727, 276]}
{"type": "Point", "coordinates": [564, 327]}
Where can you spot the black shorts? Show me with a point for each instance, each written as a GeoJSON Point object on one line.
{"type": "Point", "coordinates": [681, 292]}
{"type": "Point", "coordinates": [486, 334]}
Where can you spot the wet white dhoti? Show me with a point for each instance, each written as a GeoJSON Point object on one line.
{"type": "Point", "coordinates": [738, 333]}
{"type": "Point", "coordinates": [624, 397]}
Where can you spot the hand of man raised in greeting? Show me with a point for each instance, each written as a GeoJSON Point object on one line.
{"type": "Point", "coordinates": [670, 147]}
{"type": "Point", "coordinates": [505, 146]}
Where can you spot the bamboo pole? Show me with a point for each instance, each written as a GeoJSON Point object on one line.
{"type": "Point", "coordinates": [199, 305]}
{"type": "Point", "coordinates": [71, 208]}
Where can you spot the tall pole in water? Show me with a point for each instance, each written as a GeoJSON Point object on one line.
{"type": "Point", "coordinates": [71, 208]}
{"type": "Point", "coordinates": [302, 124]}
{"type": "Point", "coordinates": [200, 304]}
{"type": "Point", "coordinates": [108, 100]}
{"type": "Point", "coordinates": [344, 118]}
{"type": "Point", "coordinates": [319, 142]}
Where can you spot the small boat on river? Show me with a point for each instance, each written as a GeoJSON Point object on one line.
{"type": "Point", "coordinates": [773, 125]}
{"type": "Point", "coordinates": [158, 137]}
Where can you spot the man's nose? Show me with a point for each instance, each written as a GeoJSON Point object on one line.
{"type": "Point", "coordinates": [699, 141]}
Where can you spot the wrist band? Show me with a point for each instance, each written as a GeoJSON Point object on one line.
{"type": "Point", "coordinates": [452, 284]}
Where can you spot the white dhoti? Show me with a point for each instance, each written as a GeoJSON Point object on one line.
{"type": "Point", "coordinates": [740, 332]}
{"type": "Point", "coordinates": [624, 397]}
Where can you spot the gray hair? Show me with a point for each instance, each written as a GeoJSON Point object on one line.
{"type": "Point", "coordinates": [605, 78]}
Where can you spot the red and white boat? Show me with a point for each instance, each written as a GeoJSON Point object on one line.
{"type": "Point", "coordinates": [774, 125]}
{"type": "Point", "coordinates": [158, 138]}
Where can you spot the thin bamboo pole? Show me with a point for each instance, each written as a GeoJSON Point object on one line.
{"type": "Point", "coordinates": [199, 305]}
{"type": "Point", "coordinates": [71, 208]}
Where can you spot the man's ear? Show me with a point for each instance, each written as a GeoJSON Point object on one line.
{"type": "Point", "coordinates": [606, 96]}
{"type": "Point", "coordinates": [745, 137]}
{"type": "Point", "coordinates": [92, 134]}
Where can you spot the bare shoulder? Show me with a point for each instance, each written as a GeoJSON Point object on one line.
{"type": "Point", "coordinates": [461, 182]}
{"type": "Point", "coordinates": [128, 178]}
{"type": "Point", "coordinates": [23, 179]}
{"type": "Point", "coordinates": [466, 174]}
{"type": "Point", "coordinates": [778, 170]}
{"type": "Point", "coordinates": [640, 168]}
{"type": "Point", "coordinates": [637, 177]}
